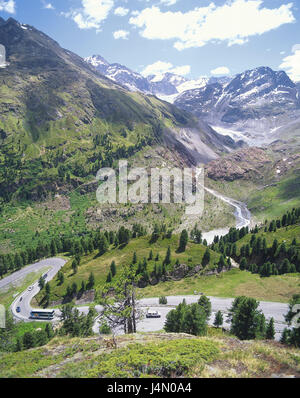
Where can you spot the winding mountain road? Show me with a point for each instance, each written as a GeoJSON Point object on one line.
{"type": "Point", "coordinates": [23, 300]}
{"type": "Point", "coordinates": [53, 265]}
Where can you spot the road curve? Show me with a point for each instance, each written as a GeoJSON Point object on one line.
{"type": "Point", "coordinates": [270, 309]}
{"type": "Point", "coordinates": [17, 276]}
{"type": "Point", "coordinates": [23, 300]}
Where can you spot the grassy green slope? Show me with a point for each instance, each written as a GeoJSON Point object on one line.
{"type": "Point", "coordinates": [153, 355]}
{"type": "Point", "coordinates": [123, 256]}
{"type": "Point", "coordinates": [233, 283]}
{"type": "Point", "coordinates": [229, 284]}
{"type": "Point", "coordinates": [56, 111]}
{"type": "Point", "coordinates": [270, 188]}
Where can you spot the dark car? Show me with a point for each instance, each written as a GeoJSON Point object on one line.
{"type": "Point", "coordinates": [18, 309]}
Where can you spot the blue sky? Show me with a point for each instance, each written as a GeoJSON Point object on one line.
{"type": "Point", "coordinates": [191, 37]}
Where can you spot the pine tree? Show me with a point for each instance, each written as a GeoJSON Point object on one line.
{"type": "Point", "coordinates": [61, 277]}
{"type": "Point", "coordinates": [183, 241]}
{"type": "Point", "coordinates": [270, 332]}
{"type": "Point", "coordinates": [218, 319]}
{"type": "Point", "coordinates": [206, 258]}
{"type": "Point", "coordinates": [53, 248]}
{"type": "Point", "coordinates": [246, 318]}
{"type": "Point", "coordinates": [262, 327]}
{"type": "Point", "coordinates": [103, 245]}
{"type": "Point", "coordinates": [74, 266]}
{"type": "Point", "coordinates": [167, 260]}
{"type": "Point", "coordinates": [113, 269]}
{"type": "Point", "coordinates": [155, 234]}
{"type": "Point", "coordinates": [194, 320]}
{"type": "Point", "coordinates": [91, 281]}
{"type": "Point", "coordinates": [69, 292]}
{"type": "Point", "coordinates": [74, 288]}
{"type": "Point", "coordinates": [49, 331]}
{"type": "Point", "coordinates": [109, 278]}
{"type": "Point", "coordinates": [205, 303]}
{"type": "Point", "coordinates": [150, 255]}
{"type": "Point", "coordinates": [48, 288]}
{"type": "Point", "coordinates": [284, 339]}
{"type": "Point", "coordinates": [134, 259]}
{"type": "Point", "coordinates": [221, 264]}
{"type": "Point", "coordinates": [243, 264]}
{"type": "Point", "coordinates": [41, 283]}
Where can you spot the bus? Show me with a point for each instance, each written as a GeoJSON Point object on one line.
{"type": "Point", "coordinates": [42, 314]}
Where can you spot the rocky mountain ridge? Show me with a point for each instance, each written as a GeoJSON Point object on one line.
{"type": "Point", "coordinates": [255, 104]}
{"type": "Point", "coordinates": [166, 86]}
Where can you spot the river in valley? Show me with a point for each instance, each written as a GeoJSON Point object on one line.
{"type": "Point", "coordinates": [241, 213]}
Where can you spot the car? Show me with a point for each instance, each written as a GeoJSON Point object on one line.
{"type": "Point", "coordinates": [153, 314]}
{"type": "Point", "coordinates": [18, 309]}
{"type": "Point", "coordinates": [21, 298]}
{"type": "Point", "coordinates": [30, 288]}
{"type": "Point", "coordinates": [45, 276]}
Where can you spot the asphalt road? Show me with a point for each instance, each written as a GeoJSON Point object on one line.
{"type": "Point", "coordinates": [270, 309]}
{"type": "Point", "coordinates": [23, 300]}
{"type": "Point", "coordinates": [16, 277]}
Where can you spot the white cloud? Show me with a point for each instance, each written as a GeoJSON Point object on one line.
{"type": "Point", "coordinates": [233, 22]}
{"type": "Point", "coordinates": [49, 6]}
{"type": "Point", "coordinates": [121, 11]}
{"type": "Point", "coordinates": [8, 6]}
{"type": "Point", "coordinates": [92, 13]}
{"type": "Point", "coordinates": [168, 2]}
{"type": "Point", "coordinates": [295, 48]}
{"type": "Point", "coordinates": [221, 70]}
{"type": "Point", "coordinates": [291, 63]}
{"type": "Point", "coordinates": [161, 67]}
{"type": "Point", "coordinates": [121, 34]}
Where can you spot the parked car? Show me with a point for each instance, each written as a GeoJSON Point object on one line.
{"type": "Point", "coordinates": [30, 288]}
{"type": "Point", "coordinates": [18, 309]}
{"type": "Point", "coordinates": [21, 298]}
{"type": "Point", "coordinates": [45, 276]}
{"type": "Point", "coordinates": [153, 314]}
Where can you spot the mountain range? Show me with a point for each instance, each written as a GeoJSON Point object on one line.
{"type": "Point", "coordinates": [167, 86]}
{"type": "Point", "coordinates": [60, 116]}
{"type": "Point", "coordinates": [256, 103]}
{"type": "Point", "coordinates": [253, 106]}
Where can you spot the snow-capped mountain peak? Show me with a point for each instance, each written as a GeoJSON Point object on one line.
{"type": "Point", "coordinates": [256, 102]}
{"type": "Point", "coordinates": [164, 85]}
{"type": "Point", "coordinates": [96, 60]}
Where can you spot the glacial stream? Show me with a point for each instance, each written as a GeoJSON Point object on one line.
{"type": "Point", "coordinates": [242, 216]}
